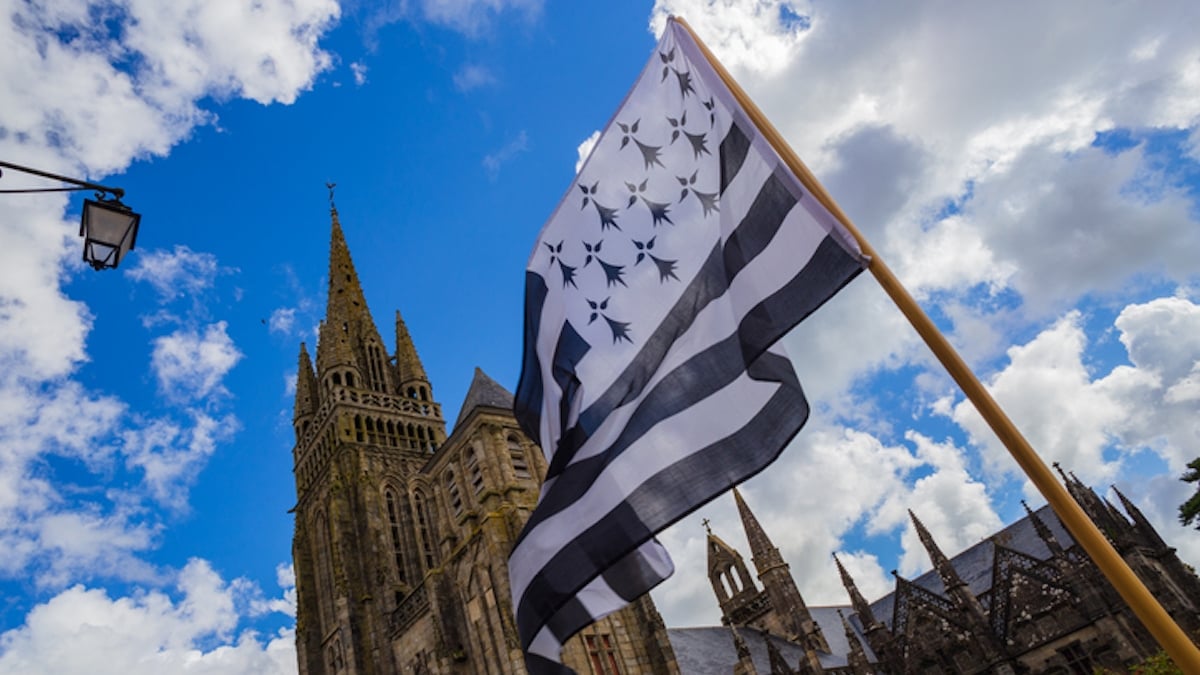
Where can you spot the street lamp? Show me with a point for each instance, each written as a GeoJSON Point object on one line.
{"type": "Point", "coordinates": [108, 227]}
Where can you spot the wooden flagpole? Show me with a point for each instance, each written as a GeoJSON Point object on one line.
{"type": "Point", "coordinates": [1168, 634]}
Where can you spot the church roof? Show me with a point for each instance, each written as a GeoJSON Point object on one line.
{"type": "Point", "coordinates": [709, 650]}
{"type": "Point", "coordinates": [974, 565]}
{"type": "Point", "coordinates": [484, 391]}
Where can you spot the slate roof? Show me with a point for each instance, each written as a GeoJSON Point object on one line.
{"type": "Point", "coordinates": [484, 391]}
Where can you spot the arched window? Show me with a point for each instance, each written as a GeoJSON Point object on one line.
{"type": "Point", "coordinates": [389, 497]}
{"type": "Point", "coordinates": [456, 503]}
{"type": "Point", "coordinates": [337, 378]}
{"type": "Point", "coordinates": [423, 533]}
{"type": "Point", "coordinates": [474, 471]}
{"type": "Point", "coordinates": [516, 455]}
{"type": "Point", "coordinates": [322, 553]}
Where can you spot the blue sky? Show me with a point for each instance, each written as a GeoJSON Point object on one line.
{"type": "Point", "coordinates": [1030, 172]}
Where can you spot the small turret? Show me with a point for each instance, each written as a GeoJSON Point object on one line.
{"type": "Point", "coordinates": [306, 393]}
{"type": "Point", "coordinates": [1043, 532]}
{"type": "Point", "coordinates": [410, 377]}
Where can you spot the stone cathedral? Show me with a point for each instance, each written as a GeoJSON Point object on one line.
{"type": "Point", "coordinates": [402, 535]}
{"type": "Point", "coordinates": [402, 531]}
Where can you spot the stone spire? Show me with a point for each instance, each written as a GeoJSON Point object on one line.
{"type": "Point", "coordinates": [963, 598]}
{"type": "Point", "coordinates": [877, 634]}
{"type": "Point", "coordinates": [941, 563]}
{"type": "Point", "coordinates": [777, 581]}
{"type": "Point", "coordinates": [348, 325]}
{"type": "Point", "coordinates": [1141, 525]}
{"type": "Point", "coordinates": [409, 370]}
{"type": "Point", "coordinates": [306, 389]}
{"type": "Point", "coordinates": [857, 658]}
{"type": "Point", "coordinates": [1056, 549]}
{"type": "Point", "coordinates": [745, 664]}
{"type": "Point", "coordinates": [861, 607]}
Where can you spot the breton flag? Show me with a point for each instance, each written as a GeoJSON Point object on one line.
{"type": "Point", "coordinates": [654, 298]}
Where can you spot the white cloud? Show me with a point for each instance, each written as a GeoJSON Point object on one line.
{"type": "Point", "coordinates": [78, 95]}
{"type": "Point", "coordinates": [84, 630]}
{"type": "Point", "coordinates": [473, 76]}
{"type": "Point", "coordinates": [282, 320]}
{"type": "Point", "coordinates": [585, 149]}
{"type": "Point", "coordinates": [493, 161]}
{"type": "Point", "coordinates": [189, 365]}
{"type": "Point", "coordinates": [473, 16]}
{"type": "Point", "coordinates": [169, 455]}
{"type": "Point", "coordinates": [178, 273]}
{"type": "Point", "coordinates": [1079, 419]}
{"type": "Point", "coordinates": [86, 88]}
{"type": "Point", "coordinates": [360, 72]}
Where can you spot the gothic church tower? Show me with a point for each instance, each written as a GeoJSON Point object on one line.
{"type": "Point", "coordinates": [402, 531]}
{"type": "Point", "coordinates": [363, 427]}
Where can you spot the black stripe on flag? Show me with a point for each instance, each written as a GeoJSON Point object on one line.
{"type": "Point", "coordinates": [527, 404]}
{"type": "Point", "coordinates": [752, 235]}
{"type": "Point", "coordinates": [733, 150]}
{"type": "Point", "coordinates": [568, 352]}
{"type": "Point", "coordinates": [708, 371]}
{"type": "Point", "coordinates": [692, 480]}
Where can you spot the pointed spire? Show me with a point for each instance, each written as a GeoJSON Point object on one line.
{"type": "Point", "coordinates": [857, 658]}
{"type": "Point", "coordinates": [306, 386]}
{"type": "Point", "coordinates": [1059, 469]}
{"type": "Point", "coordinates": [1141, 524]}
{"type": "Point", "coordinates": [861, 607]}
{"type": "Point", "coordinates": [777, 581]}
{"type": "Point", "coordinates": [408, 364]}
{"type": "Point", "coordinates": [941, 563]}
{"type": "Point", "coordinates": [762, 552]}
{"type": "Point", "coordinates": [347, 319]}
{"type": "Point", "coordinates": [959, 593]}
{"type": "Point", "coordinates": [1043, 532]}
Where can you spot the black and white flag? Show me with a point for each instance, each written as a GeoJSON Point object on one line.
{"type": "Point", "coordinates": [654, 299]}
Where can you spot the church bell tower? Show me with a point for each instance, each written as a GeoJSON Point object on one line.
{"type": "Point", "coordinates": [364, 422]}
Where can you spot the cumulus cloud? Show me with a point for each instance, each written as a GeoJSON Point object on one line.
{"type": "Point", "coordinates": [1091, 422]}
{"type": "Point", "coordinates": [282, 320]}
{"type": "Point", "coordinates": [85, 89]}
{"type": "Point", "coordinates": [147, 632]}
{"type": "Point", "coordinates": [177, 273]}
{"type": "Point", "coordinates": [190, 365]}
{"type": "Point", "coordinates": [67, 67]}
{"type": "Point", "coordinates": [983, 178]}
{"type": "Point", "coordinates": [585, 149]}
